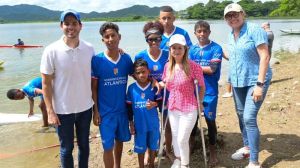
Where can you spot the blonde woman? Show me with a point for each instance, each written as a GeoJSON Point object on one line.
{"type": "Point", "coordinates": [179, 75]}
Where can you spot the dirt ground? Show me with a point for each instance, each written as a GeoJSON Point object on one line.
{"type": "Point", "coordinates": [279, 123]}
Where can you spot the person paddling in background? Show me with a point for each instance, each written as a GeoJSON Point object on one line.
{"type": "Point", "coordinates": [20, 42]}
{"type": "Point", "coordinates": [142, 106]}
{"type": "Point", "coordinates": [250, 76]}
{"type": "Point", "coordinates": [209, 55]}
{"type": "Point", "coordinates": [31, 89]}
{"type": "Point", "coordinates": [178, 76]}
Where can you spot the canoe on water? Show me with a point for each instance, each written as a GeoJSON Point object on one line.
{"type": "Point", "coordinates": [20, 46]}
{"type": "Point", "coordinates": [290, 31]}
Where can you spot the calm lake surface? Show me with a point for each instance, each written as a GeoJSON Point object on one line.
{"type": "Point", "coordinates": [22, 65]}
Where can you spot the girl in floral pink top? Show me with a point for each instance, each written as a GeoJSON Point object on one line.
{"type": "Point", "coordinates": [179, 75]}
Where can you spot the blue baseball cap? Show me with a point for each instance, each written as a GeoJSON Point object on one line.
{"type": "Point", "coordinates": [69, 12]}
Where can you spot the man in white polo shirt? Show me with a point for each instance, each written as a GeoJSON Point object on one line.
{"type": "Point", "coordinates": [66, 80]}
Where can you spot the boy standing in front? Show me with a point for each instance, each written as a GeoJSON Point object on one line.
{"type": "Point", "coordinates": [143, 115]}
{"type": "Point", "coordinates": [110, 71]}
{"type": "Point", "coordinates": [209, 55]}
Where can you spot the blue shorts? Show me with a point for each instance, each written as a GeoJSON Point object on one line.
{"type": "Point", "coordinates": [114, 127]}
{"type": "Point", "coordinates": [210, 108]}
{"type": "Point", "coordinates": [144, 140]}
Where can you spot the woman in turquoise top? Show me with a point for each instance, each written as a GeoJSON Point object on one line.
{"type": "Point", "coordinates": [250, 76]}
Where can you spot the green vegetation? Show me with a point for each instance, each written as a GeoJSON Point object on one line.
{"type": "Point", "coordinates": [214, 9]}
{"type": "Point", "coordinates": [283, 54]}
{"type": "Point", "coordinates": [287, 8]}
{"type": "Point", "coordinates": [277, 9]}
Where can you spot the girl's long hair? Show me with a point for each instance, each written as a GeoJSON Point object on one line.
{"type": "Point", "coordinates": [185, 63]}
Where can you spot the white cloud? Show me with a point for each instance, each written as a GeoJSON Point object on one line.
{"type": "Point", "coordinates": [104, 5]}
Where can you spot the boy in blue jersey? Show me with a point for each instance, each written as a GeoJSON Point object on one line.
{"type": "Point", "coordinates": [209, 55]}
{"type": "Point", "coordinates": [31, 89]}
{"type": "Point", "coordinates": [143, 116]}
{"type": "Point", "coordinates": [167, 18]}
{"type": "Point", "coordinates": [110, 71]}
{"type": "Point", "coordinates": [156, 59]}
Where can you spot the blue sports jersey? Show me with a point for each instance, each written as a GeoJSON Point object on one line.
{"type": "Point", "coordinates": [112, 82]}
{"type": "Point", "coordinates": [165, 39]}
{"type": "Point", "coordinates": [208, 56]}
{"type": "Point", "coordinates": [144, 120]}
{"type": "Point", "coordinates": [156, 66]}
{"type": "Point", "coordinates": [29, 87]}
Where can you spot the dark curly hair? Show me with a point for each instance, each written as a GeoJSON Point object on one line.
{"type": "Point", "coordinates": [153, 25]}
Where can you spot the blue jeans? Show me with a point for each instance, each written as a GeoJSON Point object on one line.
{"type": "Point", "coordinates": [247, 111]}
{"type": "Point", "coordinates": [65, 133]}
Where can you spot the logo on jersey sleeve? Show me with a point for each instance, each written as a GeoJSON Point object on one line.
{"type": "Point", "coordinates": [155, 67]}
{"type": "Point", "coordinates": [116, 71]}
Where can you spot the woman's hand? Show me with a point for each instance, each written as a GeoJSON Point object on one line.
{"type": "Point", "coordinates": [257, 94]}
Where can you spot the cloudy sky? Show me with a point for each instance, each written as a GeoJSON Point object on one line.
{"type": "Point", "coordinates": [102, 5]}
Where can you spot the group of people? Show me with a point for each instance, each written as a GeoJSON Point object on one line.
{"type": "Point", "coordinates": [79, 86]}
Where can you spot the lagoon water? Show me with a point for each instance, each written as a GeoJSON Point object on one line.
{"type": "Point", "coordinates": [22, 65]}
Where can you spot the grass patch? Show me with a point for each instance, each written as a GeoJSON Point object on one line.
{"type": "Point", "coordinates": [283, 55]}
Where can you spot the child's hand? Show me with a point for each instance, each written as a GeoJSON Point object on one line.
{"type": "Point", "coordinates": [150, 104]}
{"type": "Point", "coordinates": [96, 118]}
{"type": "Point", "coordinates": [131, 128]}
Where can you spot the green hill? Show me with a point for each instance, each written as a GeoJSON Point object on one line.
{"type": "Point", "coordinates": [28, 13]}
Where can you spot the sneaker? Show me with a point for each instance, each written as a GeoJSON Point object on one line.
{"type": "Point", "coordinates": [251, 165]}
{"type": "Point", "coordinates": [227, 94]}
{"type": "Point", "coordinates": [240, 154]}
{"type": "Point", "coordinates": [176, 163]}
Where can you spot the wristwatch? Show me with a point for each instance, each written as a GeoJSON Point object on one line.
{"type": "Point", "coordinates": [261, 84]}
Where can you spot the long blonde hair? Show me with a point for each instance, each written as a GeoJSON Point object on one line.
{"type": "Point", "coordinates": [185, 63]}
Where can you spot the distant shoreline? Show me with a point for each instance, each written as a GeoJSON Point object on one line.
{"type": "Point", "coordinates": [138, 19]}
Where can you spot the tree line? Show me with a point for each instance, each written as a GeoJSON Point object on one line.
{"type": "Point", "coordinates": [214, 9]}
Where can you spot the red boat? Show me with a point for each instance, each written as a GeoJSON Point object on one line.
{"type": "Point", "coordinates": [20, 46]}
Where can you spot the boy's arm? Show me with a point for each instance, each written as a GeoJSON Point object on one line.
{"type": "Point", "coordinates": [31, 104]}
{"type": "Point", "coordinates": [96, 115]}
{"type": "Point", "coordinates": [159, 102]}
{"type": "Point", "coordinates": [38, 91]}
{"type": "Point", "coordinates": [130, 118]}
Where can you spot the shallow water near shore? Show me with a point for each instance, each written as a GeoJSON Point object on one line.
{"type": "Point", "coordinates": [28, 145]}
{"type": "Point", "coordinates": [21, 65]}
